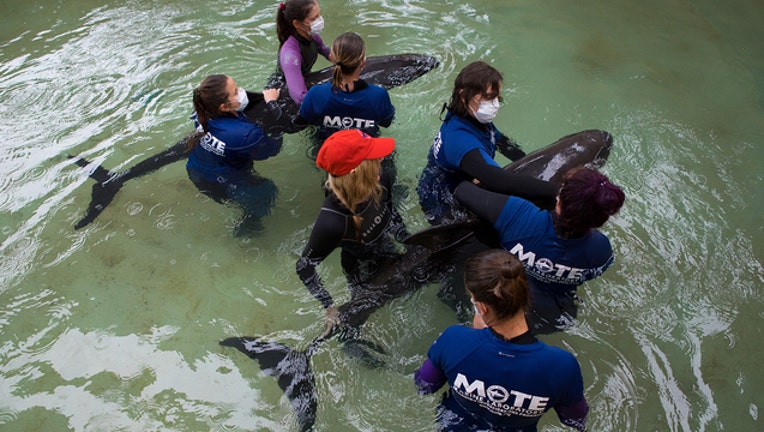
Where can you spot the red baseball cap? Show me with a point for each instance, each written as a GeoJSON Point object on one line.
{"type": "Point", "coordinates": [346, 149]}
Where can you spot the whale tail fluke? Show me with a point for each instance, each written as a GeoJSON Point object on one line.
{"type": "Point", "coordinates": [291, 369]}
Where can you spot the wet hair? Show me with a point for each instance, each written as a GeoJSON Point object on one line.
{"type": "Point", "coordinates": [348, 52]}
{"type": "Point", "coordinates": [497, 278]}
{"type": "Point", "coordinates": [473, 80]}
{"type": "Point", "coordinates": [208, 97]}
{"type": "Point", "coordinates": [357, 187]}
{"type": "Point", "coordinates": [586, 199]}
{"type": "Point", "coordinates": [289, 11]}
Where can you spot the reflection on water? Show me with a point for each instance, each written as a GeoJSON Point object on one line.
{"type": "Point", "coordinates": [116, 326]}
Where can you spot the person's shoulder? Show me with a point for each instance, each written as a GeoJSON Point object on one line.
{"type": "Point", "coordinates": [290, 48]}
{"type": "Point", "coordinates": [458, 332]}
{"type": "Point", "coordinates": [559, 357]}
{"type": "Point", "coordinates": [325, 87]}
{"type": "Point", "coordinates": [522, 204]}
{"type": "Point", "coordinates": [599, 237]}
{"type": "Point", "coordinates": [455, 124]}
{"type": "Point", "coordinates": [232, 123]}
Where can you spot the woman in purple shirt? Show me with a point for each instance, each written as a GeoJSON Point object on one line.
{"type": "Point", "coordinates": [298, 25]}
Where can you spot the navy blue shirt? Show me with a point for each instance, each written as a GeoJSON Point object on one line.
{"type": "Point", "coordinates": [367, 108]}
{"type": "Point", "coordinates": [457, 137]}
{"type": "Point", "coordinates": [229, 147]}
{"type": "Point", "coordinates": [503, 386]}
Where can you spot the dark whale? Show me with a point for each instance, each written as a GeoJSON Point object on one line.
{"type": "Point", "coordinates": [431, 254]}
{"type": "Point", "coordinates": [386, 71]}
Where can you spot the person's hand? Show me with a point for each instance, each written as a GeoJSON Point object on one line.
{"type": "Point", "coordinates": [331, 320]}
{"type": "Point", "coordinates": [271, 94]}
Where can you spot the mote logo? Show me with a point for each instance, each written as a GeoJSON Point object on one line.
{"type": "Point", "coordinates": [499, 396]}
{"type": "Point", "coordinates": [347, 122]}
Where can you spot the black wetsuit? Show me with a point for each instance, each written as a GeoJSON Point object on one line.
{"type": "Point", "coordinates": [381, 229]}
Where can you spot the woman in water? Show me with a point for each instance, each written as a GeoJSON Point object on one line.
{"type": "Point", "coordinates": [561, 249]}
{"type": "Point", "coordinates": [500, 377]}
{"type": "Point", "coordinates": [357, 215]}
{"type": "Point", "coordinates": [465, 147]}
{"type": "Point", "coordinates": [347, 101]}
{"type": "Point", "coordinates": [221, 154]}
{"type": "Point", "coordinates": [298, 25]}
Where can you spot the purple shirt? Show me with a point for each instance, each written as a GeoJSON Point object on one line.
{"type": "Point", "coordinates": [295, 66]}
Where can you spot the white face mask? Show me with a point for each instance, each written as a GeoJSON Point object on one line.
{"type": "Point", "coordinates": [241, 96]}
{"type": "Point", "coordinates": [317, 25]}
{"type": "Point", "coordinates": [486, 111]}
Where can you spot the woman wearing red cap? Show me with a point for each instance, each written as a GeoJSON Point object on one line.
{"type": "Point", "coordinates": [357, 215]}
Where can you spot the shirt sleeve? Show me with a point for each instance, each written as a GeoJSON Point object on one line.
{"type": "Point", "coordinates": [268, 146]}
{"type": "Point", "coordinates": [477, 164]}
{"type": "Point", "coordinates": [486, 204]}
{"type": "Point", "coordinates": [388, 111]}
{"type": "Point", "coordinates": [574, 415]}
{"type": "Point", "coordinates": [291, 63]}
{"type": "Point", "coordinates": [429, 378]}
{"type": "Point", "coordinates": [308, 110]}
{"type": "Point", "coordinates": [322, 48]}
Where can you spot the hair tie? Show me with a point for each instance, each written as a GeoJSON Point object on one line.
{"type": "Point", "coordinates": [339, 64]}
{"type": "Point", "coordinates": [282, 6]}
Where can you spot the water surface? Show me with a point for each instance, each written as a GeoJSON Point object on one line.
{"type": "Point", "coordinates": [115, 326]}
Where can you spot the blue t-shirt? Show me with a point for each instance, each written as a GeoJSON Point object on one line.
{"type": "Point", "coordinates": [366, 108]}
{"type": "Point", "coordinates": [227, 150]}
{"type": "Point", "coordinates": [553, 264]}
{"type": "Point", "coordinates": [457, 137]}
{"type": "Point", "coordinates": [502, 386]}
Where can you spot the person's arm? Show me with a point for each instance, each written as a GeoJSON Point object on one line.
{"type": "Point", "coordinates": [509, 148]}
{"type": "Point", "coordinates": [259, 145]}
{"type": "Point", "coordinates": [429, 378]}
{"type": "Point", "coordinates": [323, 240]}
{"type": "Point", "coordinates": [270, 97]}
{"type": "Point", "coordinates": [485, 204]}
{"type": "Point", "coordinates": [322, 48]}
{"type": "Point", "coordinates": [308, 112]}
{"type": "Point", "coordinates": [494, 178]}
{"type": "Point", "coordinates": [574, 415]}
{"type": "Point", "coordinates": [291, 63]}
{"type": "Point", "coordinates": [388, 111]}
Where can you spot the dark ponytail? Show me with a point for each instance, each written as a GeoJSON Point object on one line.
{"type": "Point", "coordinates": [289, 11]}
{"type": "Point", "coordinates": [348, 52]}
{"type": "Point", "coordinates": [207, 98]}
{"type": "Point", "coordinates": [497, 278]}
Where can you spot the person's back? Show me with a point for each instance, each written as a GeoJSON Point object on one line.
{"type": "Point", "coordinates": [499, 376]}
{"type": "Point", "coordinates": [499, 385]}
{"type": "Point", "coordinates": [560, 250]}
{"type": "Point", "coordinates": [357, 216]}
{"type": "Point", "coordinates": [347, 102]}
